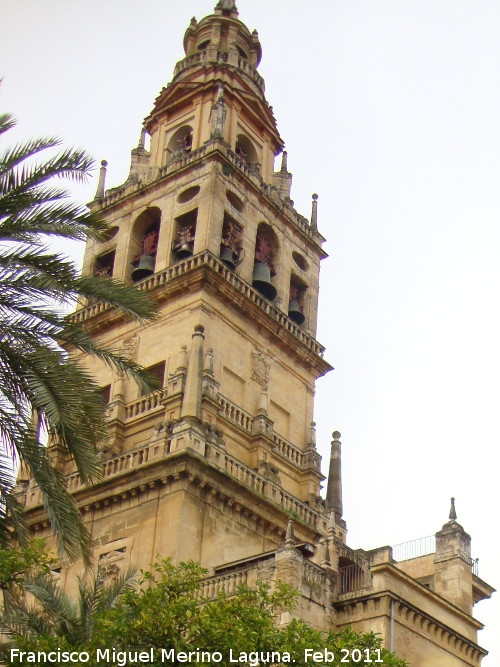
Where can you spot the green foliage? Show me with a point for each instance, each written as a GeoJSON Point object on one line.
{"type": "Point", "coordinates": [16, 564]}
{"type": "Point", "coordinates": [48, 619]}
{"type": "Point", "coordinates": [39, 377]}
{"type": "Point", "coordinates": [167, 611]}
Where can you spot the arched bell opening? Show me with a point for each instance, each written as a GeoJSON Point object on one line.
{"type": "Point", "coordinates": [179, 144]}
{"type": "Point", "coordinates": [266, 255]}
{"type": "Point", "coordinates": [184, 235]}
{"type": "Point", "coordinates": [296, 300]}
{"type": "Point", "coordinates": [246, 151]}
{"type": "Point", "coordinates": [144, 245]}
{"type": "Point", "coordinates": [104, 264]}
{"type": "Point", "coordinates": [231, 248]}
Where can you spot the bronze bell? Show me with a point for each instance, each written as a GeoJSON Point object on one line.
{"type": "Point", "coordinates": [294, 312]}
{"type": "Point", "coordinates": [262, 281]}
{"type": "Point", "coordinates": [227, 257]}
{"type": "Point", "coordinates": [185, 251]}
{"type": "Point", "coordinates": [145, 268]}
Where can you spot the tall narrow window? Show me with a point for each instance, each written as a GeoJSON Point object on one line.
{"type": "Point", "coordinates": [146, 233]}
{"type": "Point", "coordinates": [104, 264]}
{"type": "Point", "coordinates": [266, 253]}
{"type": "Point", "coordinates": [185, 231]}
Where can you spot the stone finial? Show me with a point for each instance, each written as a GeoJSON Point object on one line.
{"type": "Point", "coordinates": [314, 213]}
{"type": "Point", "coordinates": [453, 514]}
{"type": "Point", "coordinates": [263, 401]}
{"type": "Point", "coordinates": [227, 6]}
{"type": "Point", "coordinates": [325, 559]}
{"type": "Point", "coordinates": [209, 362]}
{"type": "Point", "coordinates": [290, 535]}
{"type": "Point", "coordinates": [312, 435]}
{"type": "Point", "coordinates": [142, 138]}
{"type": "Point", "coordinates": [102, 181]}
{"type": "Point", "coordinates": [183, 358]}
{"type": "Point", "coordinates": [284, 163]}
{"type": "Point", "coordinates": [194, 22]}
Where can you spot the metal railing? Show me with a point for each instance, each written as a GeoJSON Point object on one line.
{"type": "Point", "coordinates": [415, 548]}
{"type": "Point", "coordinates": [352, 578]}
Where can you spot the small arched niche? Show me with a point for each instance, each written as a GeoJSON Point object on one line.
{"type": "Point", "coordinates": [180, 143]}
{"type": "Point", "coordinates": [144, 243]}
{"type": "Point", "coordinates": [246, 151]}
{"type": "Point", "coordinates": [265, 261]}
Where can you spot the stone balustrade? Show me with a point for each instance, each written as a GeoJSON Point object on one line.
{"type": "Point", "coordinates": [227, 583]}
{"type": "Point", "coordinates": [221, 58]}
{"type": "Point", "coordinates": [288, 451]}
{"type": "Point", "coordinates": [233, 413]}
{"type": "Point", "coordinates": [255, 481]}
{"type": "Point", "coordinates": [145, 404]}
{"type": "Point", "coordinates": [216, 456]}
{"type": "Point", "coordinates": [206, 258]}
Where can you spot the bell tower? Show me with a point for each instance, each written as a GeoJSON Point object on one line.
{"type": "Point", "coordinates": [203, 223]}
{"type": "Point", "coordinates": [219, 465]}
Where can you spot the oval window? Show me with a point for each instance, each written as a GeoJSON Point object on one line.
{"type": "Point", "coordinates": [300, 261]}
{"type": "Point", "coordinates": [110, 233]}
{"type": "Point", "coordinates": [188, 194]}
{"type": "Point", "coordinates": [234, 200]}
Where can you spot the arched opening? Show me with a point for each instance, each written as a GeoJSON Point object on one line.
{"type": "Point", "coordinates": [297, 300]}
{"type": "Point", "coordinates": [104, 264]}
{"type": "Point", "coordinates": [180, 143]}
{"type": "Point", "coordinates": [231, 249]}
{"type": "Point", "coordinates": [266, 256]}
{"type": "Point", "coordinates": [185, 232]}
{"type": "Point", "coordinates": [144, 244]}
{"type": "Point", "coordinates": [246, 151]}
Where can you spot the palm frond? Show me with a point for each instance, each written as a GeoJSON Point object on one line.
{"type": "Point", "coordinates": [38, 371]}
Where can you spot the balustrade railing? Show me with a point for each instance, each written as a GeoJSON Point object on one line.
{"type": "Point", "coordinates": [114, 466]}
{"type": "Point", "coordinates": [208, 259]}
{"type": "Point", "coordinates": [227, 583]}
{"type": "Point", "coordinates": [261, 485]}
{"type": "Point", "coordinates": [288, 451]}
{"type": "Point", "coordinates": [220, 57]}
{"type": "Point", "coordinates": [231, 411]}
{"type": "Point", "coordinates": [145, 404]}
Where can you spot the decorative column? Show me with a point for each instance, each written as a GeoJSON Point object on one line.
{"type": "Point", "coordinates": [334, 491]}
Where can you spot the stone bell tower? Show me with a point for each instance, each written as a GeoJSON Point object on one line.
{"type": "Point", "coordinates": [212, 466]}
{"type": "Point", "coordinates": [220, 465]}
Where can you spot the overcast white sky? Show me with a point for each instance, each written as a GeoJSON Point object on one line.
{"type": "Point", "coordinates": [390, 111]}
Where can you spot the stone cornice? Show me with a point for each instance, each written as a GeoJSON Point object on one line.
{"type": "Point", "coordinates": [207, 271]}
{"type": "Point", "coordinates": [417, 620]}
{"type": "Point", "coordinates": [154, 464]}
{"type": "Point", "coordinates": [394, 571]}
